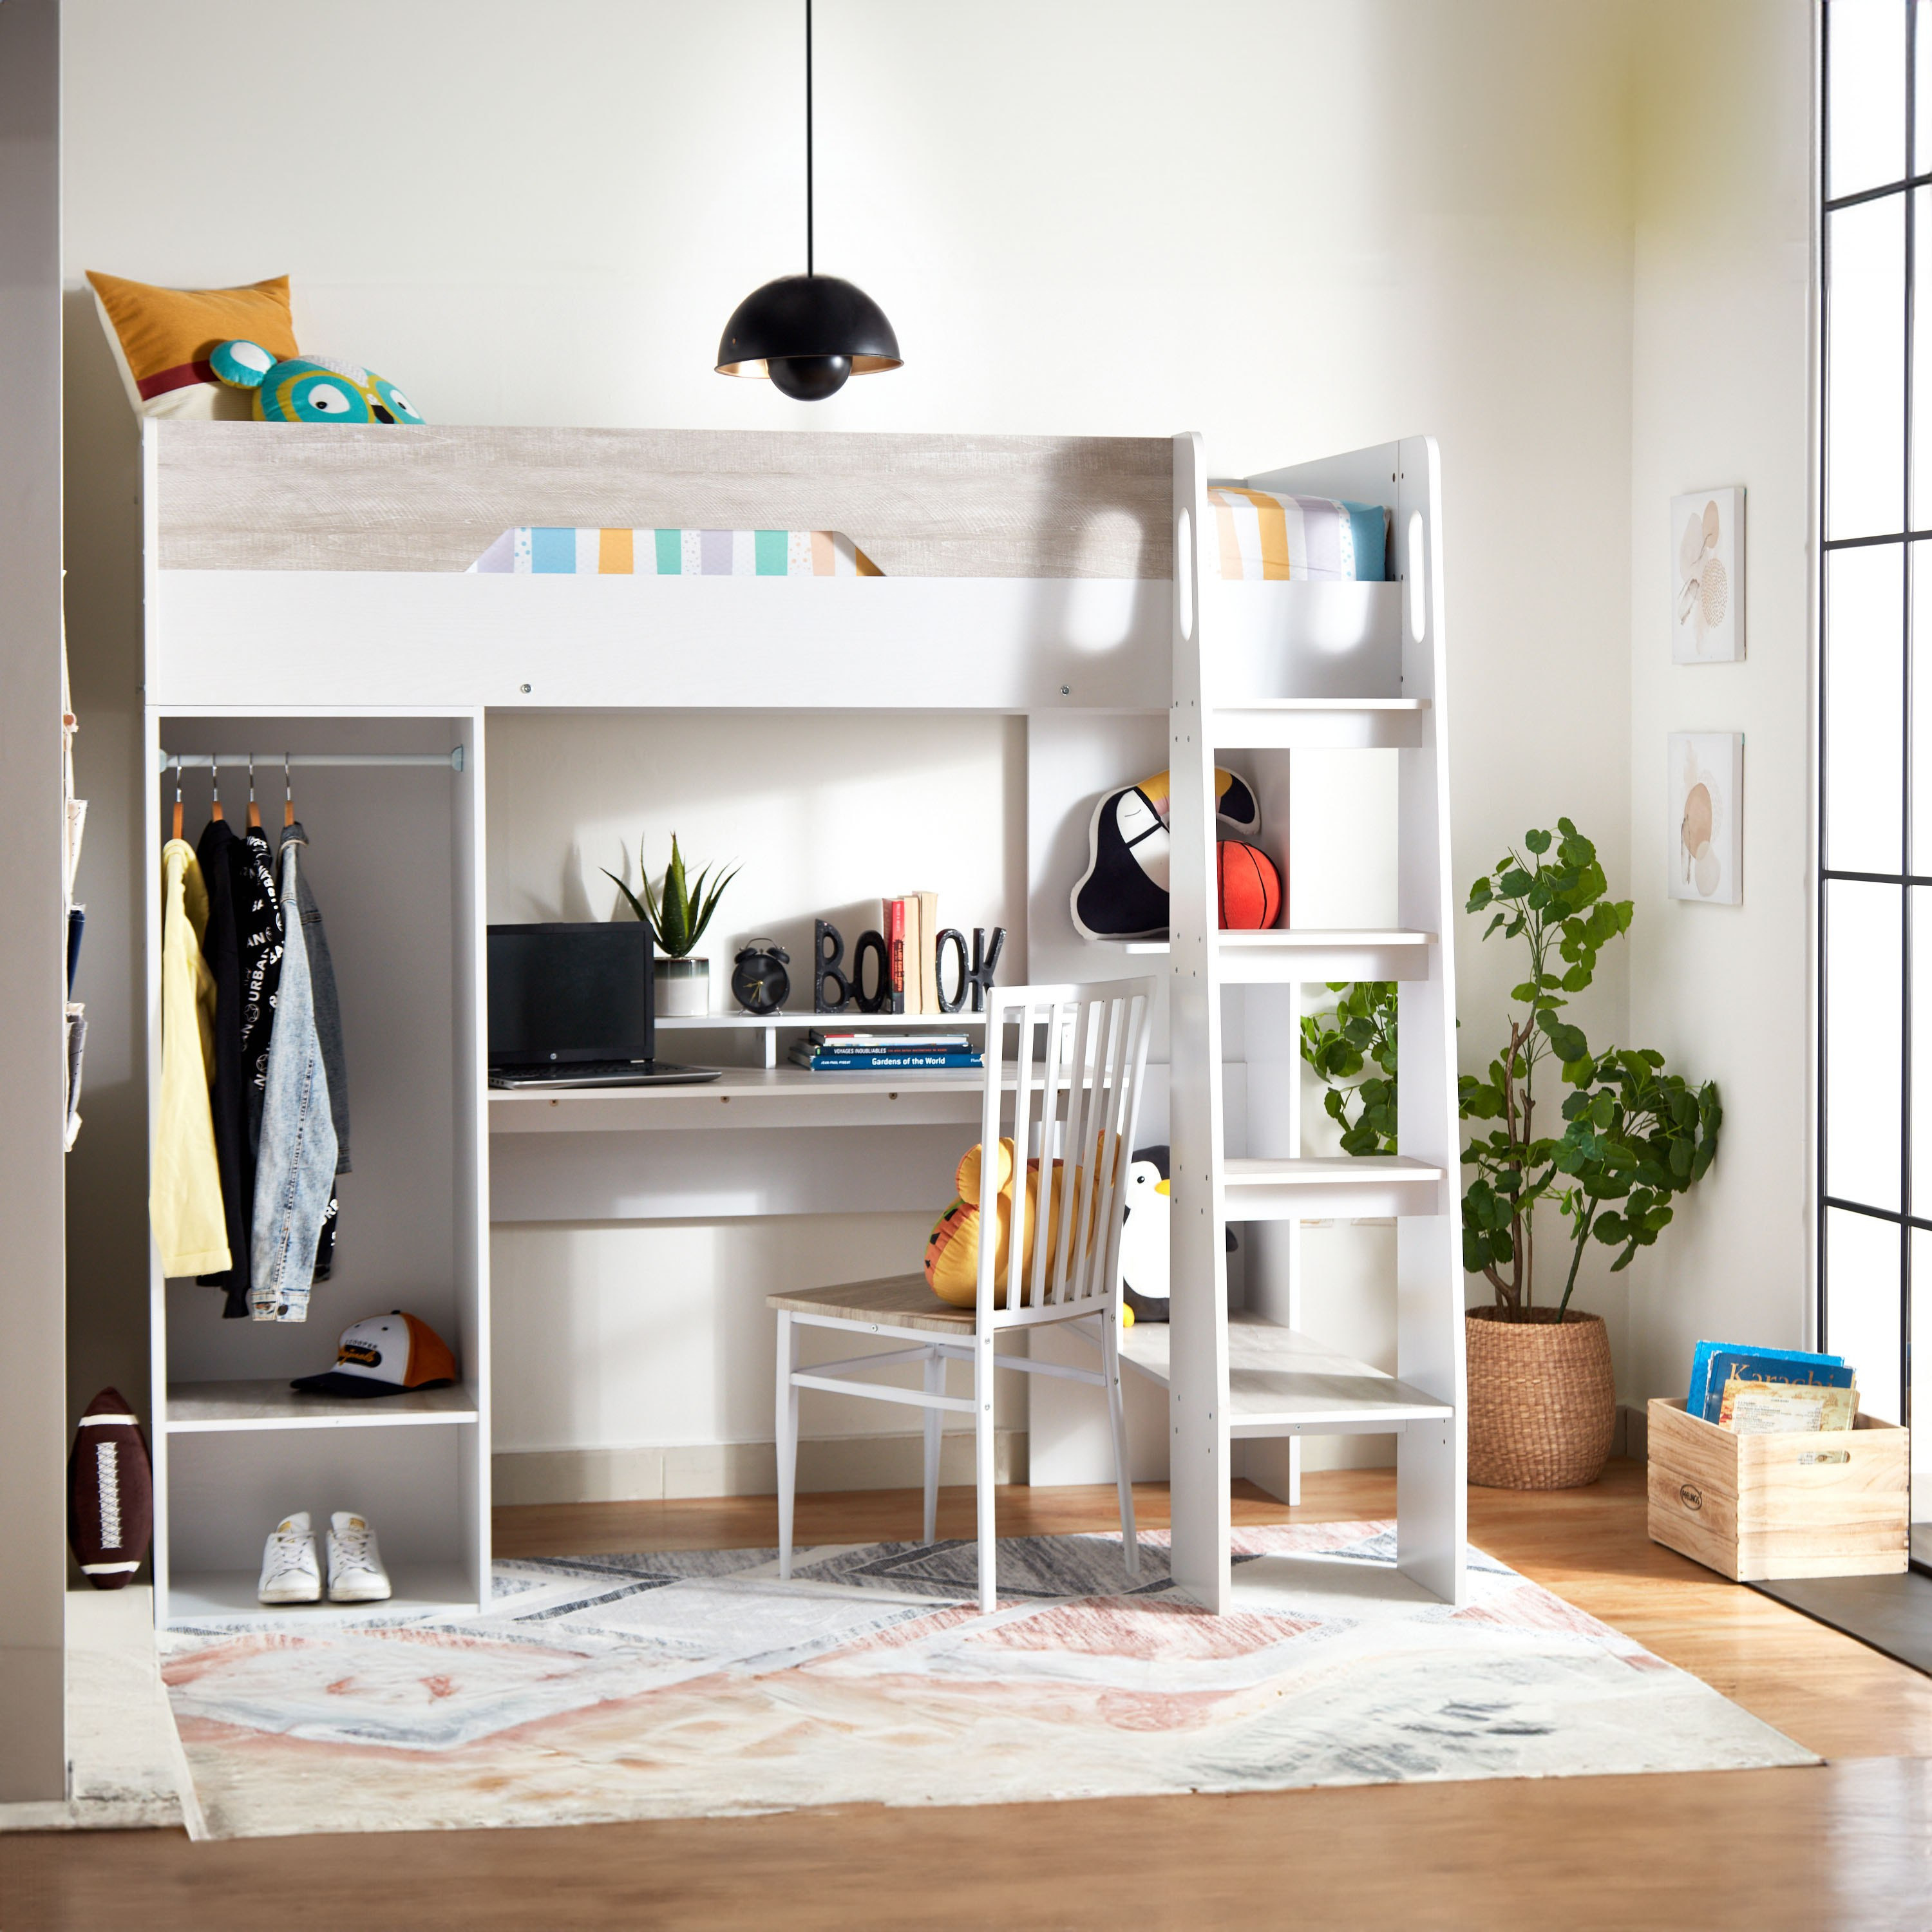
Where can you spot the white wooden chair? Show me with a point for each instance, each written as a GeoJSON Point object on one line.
{"type": "Point", "coordinates": [1079, 1103]}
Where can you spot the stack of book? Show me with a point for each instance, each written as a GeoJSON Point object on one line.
{"type": "Point", "coordinates": [1763, 1391]}
{"type": "Point", "coordinates": [910, 926]}
{"type": "Point", "coordinates": [883, 1052]}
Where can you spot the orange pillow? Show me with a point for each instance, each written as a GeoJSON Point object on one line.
{"type": "Point", "coordinates": [161, 338]}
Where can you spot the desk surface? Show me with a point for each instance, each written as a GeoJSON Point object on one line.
{"type": "Point", "coordinates": [748, 1096]}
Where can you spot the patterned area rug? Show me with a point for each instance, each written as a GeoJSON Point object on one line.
{"type": "Point", "coordinates": [695, 1683]}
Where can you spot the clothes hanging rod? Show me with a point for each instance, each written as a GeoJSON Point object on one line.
{"type": "Point", "coordinates": [185, 761]}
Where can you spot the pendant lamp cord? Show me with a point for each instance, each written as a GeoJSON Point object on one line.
{"type": "Point", "coordinates": [810, 267]}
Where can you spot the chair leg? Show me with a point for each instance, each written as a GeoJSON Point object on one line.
{"type": "Point", "coordinates": [1117, 1413]}
{"type": "Point", "coordinates": [982, 1467]}
{"type": "Point", "coordinates": [935, 1384]}
{"type": "Point", "coordinates": [788, 1435]}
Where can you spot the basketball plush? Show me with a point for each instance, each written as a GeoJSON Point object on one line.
{"type": "Point", "coordinates": [1250, 893]}
{"type": "Point", "coordinates": [1123, 894]}
{"type": "Point", "coordinates": [110, 1490]}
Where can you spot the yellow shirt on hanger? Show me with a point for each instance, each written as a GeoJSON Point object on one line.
{"type": "Point", "coordinates": [184, 1199]}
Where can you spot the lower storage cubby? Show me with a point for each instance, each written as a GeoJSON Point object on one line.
{"type": "Point", "coordinates": [227, 1490]}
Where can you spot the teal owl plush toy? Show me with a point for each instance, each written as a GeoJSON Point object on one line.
{"type": "Point", "coordinates": [309, 388]}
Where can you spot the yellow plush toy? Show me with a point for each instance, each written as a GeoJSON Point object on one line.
{"type": "Point", "coordinates": [952, 1248]}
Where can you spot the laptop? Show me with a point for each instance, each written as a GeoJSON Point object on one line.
{"type": "Point", "coordinates": [571, 1006]}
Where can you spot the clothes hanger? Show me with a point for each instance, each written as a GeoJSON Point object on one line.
{"type": "Point", "coordinates": [288, 795]}
{"type": "Point", "coordinates": [254, 810]}
{"type": "Point", "coordinates": [215, 782]}
{"type": "Point", "coordinates": [178, 802]}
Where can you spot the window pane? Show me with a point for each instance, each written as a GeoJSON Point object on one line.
{"type": "Point", "coordinates": [1864, 369]}
{"type": "Point", "coordinates": [1862, 1304]}
{"type": "Point", "coordinates": [1865, 699]}
{"type": "Point", "coordinates": [1922, 151]}
{"type": "Point", "coordinates": [1919, 512]}
{"type": "Point", "coordinates": [1865, 59]}
{"type": "Point", "coordinates": [1863, 1048]}
{"type": "Point", "coordinates": [1921, 1371]}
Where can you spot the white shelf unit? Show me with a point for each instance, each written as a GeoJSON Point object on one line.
{"type": "Point", "coordinates": [395, 860]}
{"type": "Point", "coordinates": [1256, 1375]}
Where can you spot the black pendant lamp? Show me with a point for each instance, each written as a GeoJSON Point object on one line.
{"type": "Point", "coordinates": [808, 332]}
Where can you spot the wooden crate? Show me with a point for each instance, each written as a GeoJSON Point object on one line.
{"type": "Point", "coordinates": [1752, 1507]}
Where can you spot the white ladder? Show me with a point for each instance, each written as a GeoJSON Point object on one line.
{"type": "Point", "coordinates": [1258, 1375]}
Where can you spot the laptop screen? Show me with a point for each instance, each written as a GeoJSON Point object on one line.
{"type": "Point", "coordinates": [566, 992]}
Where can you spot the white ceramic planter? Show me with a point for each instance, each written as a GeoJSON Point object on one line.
{"type": "Point", "coordinates": [684, 988]}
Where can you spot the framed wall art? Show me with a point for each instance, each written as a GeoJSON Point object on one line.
{"type": "Point", "coordinates": [1706, 829]}
{"type": "Point", "coordinates": [1707, 563]}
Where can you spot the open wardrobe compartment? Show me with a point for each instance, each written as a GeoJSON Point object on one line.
{"type": "Point", "coordinates": [390, 806]}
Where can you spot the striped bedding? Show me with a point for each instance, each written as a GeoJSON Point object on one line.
{"type": "Point", "coordinates": [1265, 538]}
{"type": "Point", "coordinates": [540, 551]}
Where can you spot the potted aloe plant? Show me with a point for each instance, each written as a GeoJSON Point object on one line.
{"type": "Point", "coordinates": [677, 911]}
{"type": "Point", "coordinates": [1542, 1400]}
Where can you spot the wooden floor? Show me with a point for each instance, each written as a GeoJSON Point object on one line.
{"type": "Point", "coordinates": [1849, 1844]}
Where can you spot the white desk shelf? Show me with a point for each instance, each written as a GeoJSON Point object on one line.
{"type": "Point", "coordinates": [750, 1096]}
{"type": "Point", "coordinates": [802, 1022]}
{"type": "Point", "coordinates": [1281, 1381]}
{"type": "Point", "coordinates": [198, 1408]}
{"type": "Point", "coordinates": [765, 1028]}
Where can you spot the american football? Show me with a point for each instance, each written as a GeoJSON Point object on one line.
{"type": "Point", "coordinates": [110, 1492]}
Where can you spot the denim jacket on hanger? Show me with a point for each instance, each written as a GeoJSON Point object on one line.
{"type": "Point", "coordinates": [294, 1167]}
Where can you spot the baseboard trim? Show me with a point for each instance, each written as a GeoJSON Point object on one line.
{"type": "Point", "coordinates": [653, 1474]}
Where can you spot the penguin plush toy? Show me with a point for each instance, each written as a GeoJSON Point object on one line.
{"type": "Point", "coordinates": [1149, 1212]}
{"type": "Point", "coordinates": [1143, 1235]}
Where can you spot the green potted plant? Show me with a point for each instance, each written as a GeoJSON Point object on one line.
{"type": "Point", "coordinates": [1341, 1042]}
{"type": "Point", "coordinates": [677, 911]}
{"type": "Point", "coordinates": [1542, 1400]}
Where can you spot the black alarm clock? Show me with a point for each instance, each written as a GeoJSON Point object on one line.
{"type": "Point", "coordinates": [759, 981]}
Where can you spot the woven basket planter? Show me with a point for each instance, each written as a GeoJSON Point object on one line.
{"type": "Point", "coordinates": [1543, 1403]}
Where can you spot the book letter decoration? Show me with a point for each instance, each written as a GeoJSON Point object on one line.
{"type": "Point", "coordinates": [828, 949]}
{"type": "Point", "coordinates": [984, 959]}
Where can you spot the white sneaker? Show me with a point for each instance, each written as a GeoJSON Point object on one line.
{"type": "Point", "coordinates": [355, 1572]}
{"type": "Point", "coordinates": [289, 1572]}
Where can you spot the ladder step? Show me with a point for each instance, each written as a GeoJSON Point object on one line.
{"type": "Point", "coordinates": [1283, 1382]}
{"type": "Point", "coordinates": [1334, 1186]}
{"type": "Point", "coordinates": [1322, 724]}
{"type": "Point", "coordinates": [1287, 955]}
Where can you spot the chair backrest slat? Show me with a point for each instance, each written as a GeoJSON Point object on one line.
{"type": "Point", "coordinates": [1077, 1104]}
{"type": "Point", "coordinates": [1073, 1205]}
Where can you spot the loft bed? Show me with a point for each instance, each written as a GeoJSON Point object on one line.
{"type": "Point", "coordinates": [322, 589]}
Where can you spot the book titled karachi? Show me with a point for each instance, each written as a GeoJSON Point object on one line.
{"type": "Point", "coordinates": [1758, 1407]}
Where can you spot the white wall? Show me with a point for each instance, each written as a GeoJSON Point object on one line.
{"type": "Point", "coordinates": [1720, 359]}
{"type": "Point", "coordinates": [1297, 226]}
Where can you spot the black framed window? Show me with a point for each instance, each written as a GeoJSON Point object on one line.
{"type": "Point", "coordinates": [1875, 700]}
